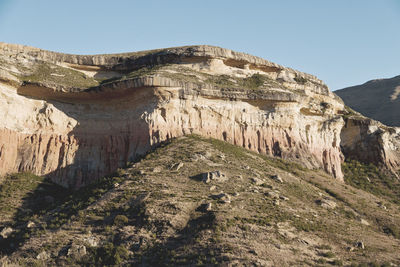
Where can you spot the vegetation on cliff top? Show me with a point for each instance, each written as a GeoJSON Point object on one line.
{"type": "Point", "coordinates": [67, 78]}
{"type": "Point", "coordinates": [185, 74]}
{"type": "Point", "coordinates": [54, 75]}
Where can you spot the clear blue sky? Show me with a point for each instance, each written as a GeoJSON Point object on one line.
{"type": "Point", "coordinates": [343, 42]}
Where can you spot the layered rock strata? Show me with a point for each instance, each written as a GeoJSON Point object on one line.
{"type": "Point", "coordinates": [77, 118]}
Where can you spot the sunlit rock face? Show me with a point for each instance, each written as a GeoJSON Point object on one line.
{"type": "Point", "coordinates": [77, 118]}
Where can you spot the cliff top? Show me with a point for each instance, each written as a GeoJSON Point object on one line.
{"type": "Point", "coordinates": [197, 67]}
{"type": "Point", "coordinates": [106, 59]}
{"type": "Point", "coordinates": [135, 60]}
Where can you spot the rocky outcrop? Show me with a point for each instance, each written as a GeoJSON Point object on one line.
{"type": "Point", "coordinates": [197, 55]}
{"type": "Point", "coordinates": [370, 141]}
{"type": "Point", "coordinates": [76, 118]}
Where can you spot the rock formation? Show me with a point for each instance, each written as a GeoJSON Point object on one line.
{"type": "Point", "coordinates": [370, 141]}
{"type": "Point", "coordinates": [76, 118]}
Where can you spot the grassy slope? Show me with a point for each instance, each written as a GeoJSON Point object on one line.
{"type": "Point", "coordinates": [57, 76]}
{"type": "Point", "coordinates": [151, 214]}
{"type": "Point", "coordinates": [185, 74]}
{"type": "Point", "coordinates": [54, 75]}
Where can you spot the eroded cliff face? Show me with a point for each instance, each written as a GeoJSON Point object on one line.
{"type": "Point", "coordinates": [77, 118]}
{"type": "Point", "coordinates": [370, 141]}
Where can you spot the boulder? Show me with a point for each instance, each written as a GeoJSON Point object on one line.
{"type": "Point", "coordinates": [364, 222]}
{"type": "Point", "coordinates": [257, 181]}
{"type": "Point", "coordinates": [360, 244]}
{"type": "Point", "coordinates": [91, 241]}
{"type": "Point", "coordinates": [77, 251]}
{"type": "Point", "coordinates": [176, 166]}
{"type": "Point", "coordinates": [326, 203]}
{"type": "Point", "coordinates": [223, 197]}
{"type": "Point", "coordinates": [157, 169]}
{"type": "Point", "coordinates": [30, 224]}
{"type": "Point", "coordinates": [6, 232]}
{"type": "Point", "coordinates": [283, 198]}
{"type": "Point", "coordinates": [218, 176]}
{"type": "Point", "coordinates": [272, 194]}
{"type": "Point", "coordinates": [277, 178]}
{"type": "Point", "coordinates": [43, 255]}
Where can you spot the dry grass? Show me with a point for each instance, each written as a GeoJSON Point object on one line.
{"type": "Point", "coordinates": [156, 217]}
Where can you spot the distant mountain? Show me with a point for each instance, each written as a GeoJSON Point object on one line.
{"type": "Point", "coordinates": [377, 99]}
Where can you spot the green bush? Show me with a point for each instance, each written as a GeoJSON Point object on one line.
{"type": "Point", "coordinates": [300, 80]}
{"type": "Point", "coordinates": [120, 220]}
{"type": "Point", "coordinates": [370, 178]}
{"type": "Point", "coordinates": [106, 255]}
{"type": "Point", "coordinates": [255, 81]}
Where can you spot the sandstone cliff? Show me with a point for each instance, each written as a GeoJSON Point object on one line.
{"type": "Point", "coordinates": [76, 118]}
{"type": "Point", "coordinates": [370, 141]}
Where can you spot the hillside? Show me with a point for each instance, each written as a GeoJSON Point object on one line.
{"type": "Point", "coordinates": [162, 210]}
{"type": "Point", "coordinates": [377, 99]}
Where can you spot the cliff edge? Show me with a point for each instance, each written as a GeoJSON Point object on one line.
{"type": "Point", "coordinates": [76, 118]}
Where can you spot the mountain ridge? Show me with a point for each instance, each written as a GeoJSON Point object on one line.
{"type": "Point", "coordinates": [376, 98]}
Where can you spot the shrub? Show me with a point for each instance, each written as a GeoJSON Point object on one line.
{"type": "Point", "coordinates": [120, 220]}
{"type": "Point", "coordinates": [106, 255]}
{"type": "Point", "coordinates": [371, 179]}
{"type": "Point", "coordinates": [300, 80]}
{"type": "Point", "coordinates": [255, 81]}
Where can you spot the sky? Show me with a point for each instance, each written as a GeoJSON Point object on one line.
{"type": "Point", "coordinates": [342, 42]}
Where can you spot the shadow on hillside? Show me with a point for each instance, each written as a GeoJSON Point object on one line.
{"type": "Point", "coordinates": [110, 131]}
{"type": "Point", "coordinates": [48, 207]}
{"type": "Point", "coordinates": [46, 197]}
{"type": "Point", "coordinates": [175, 249]}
